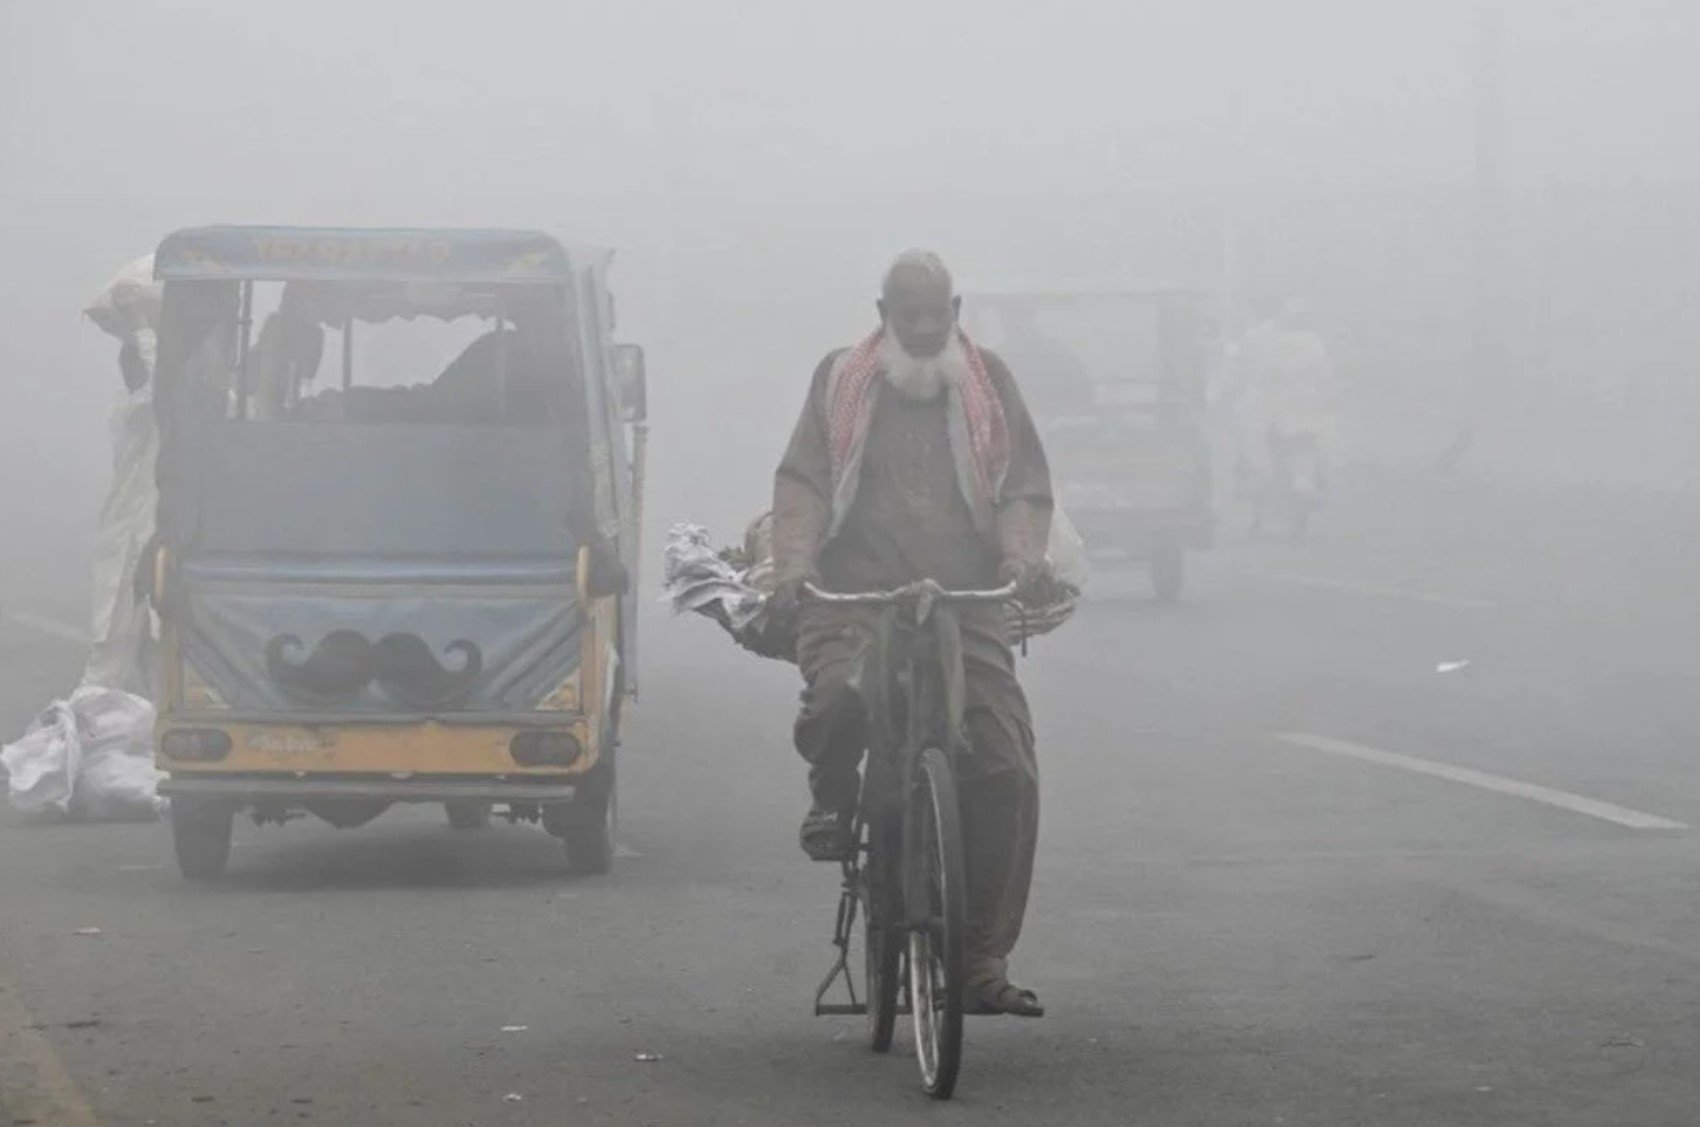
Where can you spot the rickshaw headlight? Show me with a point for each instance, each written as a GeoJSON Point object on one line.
{"type": "Point", "coordinates": [545, 749]}
{"type": "Point", "coordinates": [195, 744]}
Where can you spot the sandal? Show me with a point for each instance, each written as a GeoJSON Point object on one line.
{"type": "Point", "coordinates": [826, 836]}
{"type": "Point", "coordinates": [1001, 996]}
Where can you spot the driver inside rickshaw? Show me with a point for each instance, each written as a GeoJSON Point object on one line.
{"type": "Point", "coordinates": [523, 372]}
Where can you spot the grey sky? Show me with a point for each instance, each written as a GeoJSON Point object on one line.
{"type": "Point", "coordinates": [441, 104]}
{"type": "Point", "coordinates": [757, 162]}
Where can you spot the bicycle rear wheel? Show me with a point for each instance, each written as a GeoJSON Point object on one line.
{"type": "Point", "coordinates": [937, 892]}
{"type": "Point", "coordinates": [882, 914]}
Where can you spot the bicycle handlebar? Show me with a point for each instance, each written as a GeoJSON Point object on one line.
{"type": "Point", "coordinates": [925, 587]}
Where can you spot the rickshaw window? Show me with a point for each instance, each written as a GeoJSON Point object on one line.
{"type": "Point", "coordinates": [396, 369]}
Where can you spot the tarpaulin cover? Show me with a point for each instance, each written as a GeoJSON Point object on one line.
{"type": "Point", "coordinates": [457, 537]}
{"type": "Point", "coordinates": [526, 636]}
{"type": "Point", "coordinates": [415, 491]}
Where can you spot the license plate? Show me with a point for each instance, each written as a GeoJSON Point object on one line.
{"type": "Point", "coordinates": [289, 743]}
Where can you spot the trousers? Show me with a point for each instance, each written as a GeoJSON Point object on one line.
{"type": "Point", "coordinates": [997, 781]}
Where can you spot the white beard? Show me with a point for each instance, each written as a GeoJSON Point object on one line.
{"type": "Point", "coordinates": [922, 378]}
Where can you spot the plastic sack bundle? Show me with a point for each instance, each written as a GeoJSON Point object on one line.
{"type": "Point", "coordinates": [731, 587]}
{"type": "Point", "coordinates": [89, 757]}
{"type": "Point", "coordinates": [1065, 553]}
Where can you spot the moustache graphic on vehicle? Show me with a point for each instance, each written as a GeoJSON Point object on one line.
{"type": "Point", "coordinates": [344, 663]}
{"type": "Point", "coordinates": [411, 672]}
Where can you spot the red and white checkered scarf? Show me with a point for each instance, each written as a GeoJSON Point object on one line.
{"type": "Point", "coordinates": [979, 432]}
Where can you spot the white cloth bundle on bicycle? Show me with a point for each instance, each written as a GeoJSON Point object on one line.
{"type": "Point", "coordinates": [698, 578]}
{"type": "Point", "coordinates": [732, 586]}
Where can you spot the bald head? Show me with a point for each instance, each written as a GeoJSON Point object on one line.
{"type": "Point", "coordinates": [917, 270]}
{"type": "Point", "coordinates": [918, 303]}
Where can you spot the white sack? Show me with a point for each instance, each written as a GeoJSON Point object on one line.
{"type": "Point", "coordinates": [1065, 551]}
{"type": "Point", "coordinates": [88, 757]}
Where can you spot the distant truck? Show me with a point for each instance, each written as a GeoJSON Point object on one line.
{"type": "Point", "coordinates": [1116, 380]}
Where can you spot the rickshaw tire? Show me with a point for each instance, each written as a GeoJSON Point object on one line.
{"type": "Point", "coordinates": [585, 825]}
{"type": "Point", "coordinates": [467, 814]}
{"type": "Point", "coordinates": [590, 846]}
{"type": "Point", "coordinates": [200, 836]}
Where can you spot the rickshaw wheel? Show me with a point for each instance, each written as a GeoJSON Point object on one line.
{"type": "Point", "coordinates": [586, 825]}
{"type": "Point", "coordinates": [466, 814]}
{"type": "Point", "coordinates": [590, 847]}
{"type": "Point", "coordinates": [200, 835]}
{"type": "Point", "coordinates": [1168, 572]}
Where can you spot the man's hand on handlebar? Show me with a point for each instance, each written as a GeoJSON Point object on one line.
{"type": "Point", "coordinates": [1028, 579]}
{"type": "Point", "coordinates": [788, 593]}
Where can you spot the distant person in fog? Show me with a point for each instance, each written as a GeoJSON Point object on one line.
{"type": "Point", "coordinates": [1289, 404]}
{"type": "Point", "coordinates": [120, 653]}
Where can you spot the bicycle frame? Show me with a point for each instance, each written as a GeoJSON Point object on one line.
{"type": "Point", "coordinates": [914, 669]}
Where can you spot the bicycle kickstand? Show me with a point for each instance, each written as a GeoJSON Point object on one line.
{"type": "Point", "coordinates": [843, 928]}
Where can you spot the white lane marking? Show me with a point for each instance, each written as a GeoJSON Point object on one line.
{"type": "Point", "coordinates": [1563, 800]}
{"type": "Point", "coordinates": [36, 1085]}
{"type": "Point", "coordinates": [626, 851]}
{"type": "Point", "coordinates": [1374, 590]}
{"type": "Point", "coordinates": [52, 627]}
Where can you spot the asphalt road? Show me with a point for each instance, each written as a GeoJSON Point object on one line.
{"type": "Point", "coordinates": [1291, 873]}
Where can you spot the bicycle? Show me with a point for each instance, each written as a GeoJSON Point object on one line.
{"type": "Point", "coordinates": [1291, 488]}
{"type": "Point", "coordinates": [906, 875]}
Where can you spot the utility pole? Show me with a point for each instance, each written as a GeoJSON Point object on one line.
{"type": "Point", "coordinates": [1487, 376]}
{"type": "Point", "coordinates": [1490, 204]}
{"type": "Point", "coordinates": [1230, 214]}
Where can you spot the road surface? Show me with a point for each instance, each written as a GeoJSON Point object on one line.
{"type": "Point", "coordinates": [1387, 828]}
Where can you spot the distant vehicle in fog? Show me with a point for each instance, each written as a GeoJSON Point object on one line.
{"type": "Point", "coordinates": [1116, 378]}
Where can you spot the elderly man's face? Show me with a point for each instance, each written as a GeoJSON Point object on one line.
{"type": "Point", "coordinates": [921, 314]}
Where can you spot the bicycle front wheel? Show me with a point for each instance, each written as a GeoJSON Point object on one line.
{"type": "Point", "coordinates": [938, 910]}
{"type": "Point", "coordinates": [882, 913]}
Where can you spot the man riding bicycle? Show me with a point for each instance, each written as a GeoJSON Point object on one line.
{"type": "Point", "coordinates": [915, 458]}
